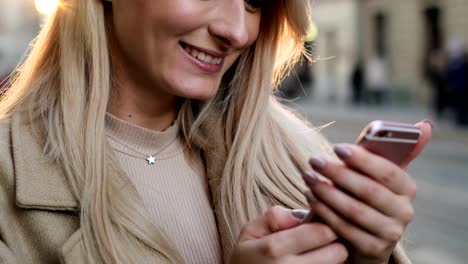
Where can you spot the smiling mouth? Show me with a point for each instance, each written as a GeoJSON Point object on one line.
{"type": "Point", "coordinates": [200, 55]}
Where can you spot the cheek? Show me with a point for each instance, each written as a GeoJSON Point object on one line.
{"type": "Point", "coordinates": [173, 17]}
{"type": "Point", "coordinates": [148, 20]}
{"type": "Point", "coordinates": [253, 25]}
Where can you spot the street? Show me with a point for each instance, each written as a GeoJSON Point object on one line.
{"type": "Point", "coordinates": [439, 233]}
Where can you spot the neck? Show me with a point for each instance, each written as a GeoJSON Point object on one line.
{"type": "Point", "coordinates": [147, 109]}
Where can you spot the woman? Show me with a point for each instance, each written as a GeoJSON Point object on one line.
{"type": "Point", "coordinates": [131, 120]}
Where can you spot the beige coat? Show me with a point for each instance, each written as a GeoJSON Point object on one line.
{"type": "Point", "coordinates": [39, 220]}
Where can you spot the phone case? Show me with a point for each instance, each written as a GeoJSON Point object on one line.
{"type": "Point", "coordinates": [391, 140]}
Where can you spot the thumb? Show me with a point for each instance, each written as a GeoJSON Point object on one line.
{"type": "Point", "coordinates": [274, 220]}
{"type": "Point", "coordinates": [426, 127]}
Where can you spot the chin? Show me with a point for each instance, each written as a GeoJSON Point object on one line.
{"type": "Point", "coordinates": [202, 94]}
{"type": "Point", "coordinates": [198, 90]}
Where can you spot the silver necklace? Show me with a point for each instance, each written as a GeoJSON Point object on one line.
{"type": "Point", "coordinates": [151, 158]}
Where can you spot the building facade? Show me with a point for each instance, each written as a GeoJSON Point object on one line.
{"type": "Point", "coordinates": [408, 31]}
{"type": "Point", "coordinates": [401, 31]}
{"type": "Point", "coordinates": [335, 47]}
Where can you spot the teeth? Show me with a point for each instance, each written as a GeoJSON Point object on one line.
{"type": "Point", "coordinates": [200, 55]}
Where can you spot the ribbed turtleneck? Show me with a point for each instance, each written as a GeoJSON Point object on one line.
{"type": "Point", "coordinates": [174, 190]}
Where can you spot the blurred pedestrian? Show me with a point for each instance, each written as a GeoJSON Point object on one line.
{"type": "Point", "coordinates": [300, 81]}
{"type": "Point", "coordinates": [306, 75]}
{"type": "Point", "coordinates": [357, 83]}
{"type": "Point", "coordinates": [437, 76]}
{"type": "Point", "coordinates": [376, 77]}
{"type": "Point", "coordinates": [458, 80]}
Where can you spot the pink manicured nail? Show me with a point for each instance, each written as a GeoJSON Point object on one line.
{"type": "Point", "coordinates": [310, 197]}
{"type": "Point", "coordinates": [343, 151]}
{"type": "Point", "coordinates": [429, 122]}
{"type": "Point", "coordinates": [309, 178]}
{"type": "Point", "coordinates": [300, 213]}
{"type": "Point", "coordinates": [317, 163]}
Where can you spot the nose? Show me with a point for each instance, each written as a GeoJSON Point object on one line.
{"type": "Point", "coordinates": [230, 27]}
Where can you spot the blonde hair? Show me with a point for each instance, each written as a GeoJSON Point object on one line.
{"type": "Point", "coordinates": [260, 147]}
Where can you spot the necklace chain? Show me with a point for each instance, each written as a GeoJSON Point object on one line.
{"type": "Point", "coordinates": [151, 158]}
{"type": "Point", "coordinates": [140, 157]}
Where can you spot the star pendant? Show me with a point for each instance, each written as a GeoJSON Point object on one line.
{"type": "Point", "coordinates": [151, 160]}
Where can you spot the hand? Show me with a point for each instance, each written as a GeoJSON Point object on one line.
{"type": "Point", "coordinates": [370, 201]}
{"type": "Point", "coordinates": [279, 237]}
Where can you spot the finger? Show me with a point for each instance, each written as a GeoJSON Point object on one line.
{"type": "Point", "coordinates": [426, 127]}
{"type": "Point", "coordinates": [297, 240]}
{"type": "Point", "coordinates": [362, 241]}
{"type": "Point", "coordinates": [275, 219]}
{"type": "Point", "coordinates": [368, 191]}
{"type": "Point", "coordinates": [330, 254]}
{"type": "Point", "coordinates": [358, 213]}
{"type": "Point", "coordinates": [371, 165]}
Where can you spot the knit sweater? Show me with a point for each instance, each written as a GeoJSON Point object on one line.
{"type": "Point", "coordinates": [174, 190]}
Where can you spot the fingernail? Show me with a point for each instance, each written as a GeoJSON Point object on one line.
{"type": "Point", "coordinates": [309, 178]}
{"type": "Point", "coordinates": [300, 213]}
{"type": "Point", "coordinates": [310, 197]}
{"type": "Point", "coordinates": [429, 122]}
{"type": "Point", "coordinates": [343, 151]}
{"type": "Point", "coordinates": [317, 163]}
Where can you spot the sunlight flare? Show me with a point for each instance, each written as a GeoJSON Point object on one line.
{"type": "Point", "coordinates": [46, 7]}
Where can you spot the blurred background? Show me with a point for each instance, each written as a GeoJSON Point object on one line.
{"type": "Point", "coordinates": [400, 60]}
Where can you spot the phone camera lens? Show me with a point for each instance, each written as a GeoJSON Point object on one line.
{"type": "Point", "coordinates": [382, 134]}
{"type": "Point", "coordinates": [385, 134]}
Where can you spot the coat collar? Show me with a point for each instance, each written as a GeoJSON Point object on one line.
{"type": "Point", "coordinates": [40, 183]}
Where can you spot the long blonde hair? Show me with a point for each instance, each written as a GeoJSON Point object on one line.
{"type": "Point", "coordinates": [260, 146]}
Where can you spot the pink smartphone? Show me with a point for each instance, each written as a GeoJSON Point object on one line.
{"type": "Point", "coordinates": [391, 140]}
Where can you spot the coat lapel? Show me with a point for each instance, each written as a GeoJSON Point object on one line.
{"type": "Point", "coordinates": [40, 183]}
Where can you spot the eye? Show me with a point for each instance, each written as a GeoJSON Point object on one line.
{"type": "Point", "coordinates": [254, 5]}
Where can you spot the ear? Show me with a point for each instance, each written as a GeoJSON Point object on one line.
{"type": "Point", "coordinates": [426, 127]}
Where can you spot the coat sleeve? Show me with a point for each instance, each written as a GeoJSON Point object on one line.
{"type": "Point", "coordinates": [6, 256]}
